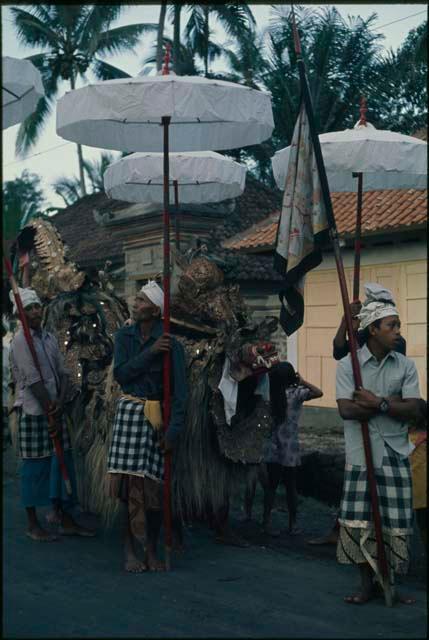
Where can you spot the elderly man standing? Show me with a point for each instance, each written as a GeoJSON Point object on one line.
{"type": "Point", "coordinates": [136, 460]}
{"type": "Point", "coordinates": [41, 480]}
{"type": "Point", "coordinates": [388, 399]}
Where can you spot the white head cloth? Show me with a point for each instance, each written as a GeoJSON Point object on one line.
{"type": "Point", "coordinates": [155, 294]}
{"type": "Point", "coordinates": [378, 304]}
{"type": "Point", "coordinates": [28, 296]}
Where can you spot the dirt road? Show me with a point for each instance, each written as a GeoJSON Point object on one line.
{"type": "Point", "coordinates": [283, 588]}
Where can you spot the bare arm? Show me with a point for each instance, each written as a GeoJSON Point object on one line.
{"type": "Point", "coordinates": [315, 392]}
{"type": "Point", "coordinates": [350, 410]}
{"type": "Point", "coordinates": [403, 410]}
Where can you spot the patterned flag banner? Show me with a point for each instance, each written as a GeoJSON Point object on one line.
{"type": "Point", "coordinates": [303, 226]}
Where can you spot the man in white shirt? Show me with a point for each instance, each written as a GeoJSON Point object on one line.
{"type": "Point", "coordinates": [41, 480]}
{"type": "Point", "coordinates": [387, 400]}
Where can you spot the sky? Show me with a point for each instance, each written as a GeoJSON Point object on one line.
{"type": "Point", "coordinates": [54, 157]}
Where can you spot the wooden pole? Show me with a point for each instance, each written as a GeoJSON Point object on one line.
{"type": "Point", "coordinates": [167, 356]}
{"type": "Point", "coordinates": [382, 560]}
{"type": "Point", "coordinates": [53, 433]}
{"type": "Point", "coordinates": [358, 236]}
{"type": "Point", "coordinates": [176, 216]}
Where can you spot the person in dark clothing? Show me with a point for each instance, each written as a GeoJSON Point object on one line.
{"type": "Point", "coordinates": [136, 456]}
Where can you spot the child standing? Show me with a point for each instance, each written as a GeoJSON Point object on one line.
{"type": "Point", "coordinates": [288, 392]}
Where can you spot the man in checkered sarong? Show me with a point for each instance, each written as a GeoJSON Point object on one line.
{"type": "Point", "coordinates": [388, 400]}
{"type": "Point", "coordinates": [136, 455]}
{"type": "Point", "coordinates": [41, 480]}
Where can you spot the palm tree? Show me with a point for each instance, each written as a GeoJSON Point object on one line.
{"type": "Point", "coordinates": [235, 19]}
{"type": "Point", "coordinates": [160, 34]}
{"type": "Point", "coordinates": [71, 37]}
{"type": "Point", "coordinates": [70, 190]}
{"type": "Point", "coordinates": [342, 59]}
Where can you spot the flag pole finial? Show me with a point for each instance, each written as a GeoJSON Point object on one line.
{"type": "Point", "coordinates": [362, 110]}
{"type": "Point", "coordinates": [296, 40]}
{"type": "Point", "coordinates": [165, 68]}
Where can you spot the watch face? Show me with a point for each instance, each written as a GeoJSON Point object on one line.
{"type": "Point", "coordinates": [384, 406]}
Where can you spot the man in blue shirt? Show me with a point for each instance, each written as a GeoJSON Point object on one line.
{"type": "Point", "coordinates": [136, 455]}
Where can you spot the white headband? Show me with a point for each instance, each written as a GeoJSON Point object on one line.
{"type": "Point", "coordinates": [155, 294]}
{"type": "Point", "coordinates": [373, 309]}
{"type": "Point", "coordinates": [28, 297]}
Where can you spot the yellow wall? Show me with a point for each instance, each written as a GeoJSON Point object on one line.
{"type": "Point", "coordinates": [323, 311]}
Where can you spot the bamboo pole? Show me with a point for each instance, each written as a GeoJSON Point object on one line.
{"type": "Point", "coordinates": [53, 432]}
{"type": "Point", "coordinates": [358, 236]}
{"type": "Point", "coordinates": [167, 356]}
{"type": "Point", "coordinates": [382, 560]}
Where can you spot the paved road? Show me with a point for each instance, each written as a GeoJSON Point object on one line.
{"type": "Point", "coordinates": [76, 589]}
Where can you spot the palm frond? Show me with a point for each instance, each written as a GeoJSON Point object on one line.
{"type": "Point", "coordinates": [105, 71]}
{"type": "Point", "coordinates": [68, 189]}
{"type": "Point", "coordinates": [120, 39]}
{"type": "Point", "coordinates": [30, 129]}
{"type": "Point", "coordinates": [32, 31]}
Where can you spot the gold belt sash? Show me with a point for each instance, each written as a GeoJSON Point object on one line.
{"type": "Point", "coordinates": [152, 409]}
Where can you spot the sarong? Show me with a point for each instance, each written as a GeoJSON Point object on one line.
{"type": "Point", "coordinates": [134, 449]}
{"type": "Point", "coordinates": [34, 440]}
{"type": "Point", "coordinates": [357, 543]}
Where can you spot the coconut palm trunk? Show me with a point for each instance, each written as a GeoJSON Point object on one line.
{"type": "Point", "coordinates": [79, 151]}
{"type": "Point", "coordinates": [176, 39]}
{"type": "Point", "coordinates": [160, 35]}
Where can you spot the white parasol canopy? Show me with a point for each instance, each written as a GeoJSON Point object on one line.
{"type": "Point", "coordinates": [125, 114]}
{"type": "Point", "coordinates": [202, 176]}
{"type": "Point", "coordinates": [387, 160]}
{"type": "Point", "coordinates": [22, 89]}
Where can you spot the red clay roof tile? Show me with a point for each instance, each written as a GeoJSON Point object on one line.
{"type": "Point", "coordinates": [382, 210]}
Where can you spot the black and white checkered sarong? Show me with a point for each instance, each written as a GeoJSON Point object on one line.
{"type": "Point", "coordinates": [34, 440]}
{"type": "Point", "coordinates": [395, 494]}
{"type": "Point", "coordinates": [134, 449]}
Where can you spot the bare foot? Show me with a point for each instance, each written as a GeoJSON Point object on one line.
{"type": "Point", "coordinates": [40, 535]}
{"type": "Point", "coordinates": [153, 564]}
{"type": "Point", "coordinates": [53, 517]}
{"type": "Point", "coordinates": [359, 598]}
{"type": "Point", "coordinates": [134, 565]}
{"type": "Point", "coordinates": [398, 597]}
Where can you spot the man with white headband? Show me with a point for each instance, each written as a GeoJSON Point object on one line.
{"type": "Point", "coordinates": [341, 347]}
{"type": "Point", "coordinates": [41, 480]}
{"type": "Point", "coordinates": [136, 456]}
{"type": "Point", "coordinates": [388, 399]}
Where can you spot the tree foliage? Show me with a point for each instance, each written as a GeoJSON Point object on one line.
{"type": "Point", "coordinates": [23, 199]}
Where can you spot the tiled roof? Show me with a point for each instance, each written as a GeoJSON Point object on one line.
{"type": "Point", "coordinates": [421, 134]}
{"type": "Point", "coordinates": [390, 210]}
{"type": "Point", "coordinates": [91, 243]}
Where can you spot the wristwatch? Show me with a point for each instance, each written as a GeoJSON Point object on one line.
{"type": "Point", "coordinates": [384, 406]}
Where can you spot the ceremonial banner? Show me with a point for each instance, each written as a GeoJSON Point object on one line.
{"type": "Point", "coordinates": [303, 225]}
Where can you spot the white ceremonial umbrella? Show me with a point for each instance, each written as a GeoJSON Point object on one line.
{"type": "Point", "coordinates": [379, 159]}
{"type": "Point", "coordinates": [204, 114]}
{"type": "Point", "coordinates": [22, 89]}
{"type": "Point", "coordinates": [386, 159]}
{"type": "Point", "coordinates": [163, 113]}
{"type": "Point", "coordinates": [201, 176]}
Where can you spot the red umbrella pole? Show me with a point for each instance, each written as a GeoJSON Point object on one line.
{"type": "Point", "coordinates": [167, 356]}
{"type": "Point", "coordinates": [176, 217]}
{"type": "Point", "coordinates": [29, 339]}
{"type": "Point", "coordinates": [358, 235]}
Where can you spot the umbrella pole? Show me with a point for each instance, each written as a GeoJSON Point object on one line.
{"type": "Point", "coordinates": [176, 217]}
{"type": "Point", "coordinates": [167, 355]}
{"type": "Point", "coordinates": [358, 235]}
{"type": "Point", "coordinates": [383, 569]}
